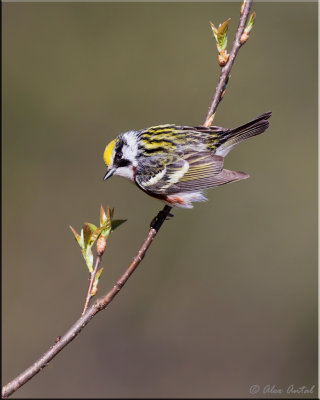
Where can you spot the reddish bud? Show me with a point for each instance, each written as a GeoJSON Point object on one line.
{"type": "Point", "coordinates": [242, 7]}
{"type": "Point", "coordinates": [101, 245]}
{"type": "Point", "coordinates": [244, 37]}
{"type": "Point", "coordinates": [94, 289]}
{"type": "Point", "coordinates": [223, 58]}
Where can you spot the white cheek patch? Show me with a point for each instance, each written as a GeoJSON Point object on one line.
{"type": "Point", "coordinates": [126, 172]}
{"type": "Point", "coordinates": [130, 149]}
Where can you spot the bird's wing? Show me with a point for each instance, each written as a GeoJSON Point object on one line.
{"type": "Point", "coordinates": [171, 173]}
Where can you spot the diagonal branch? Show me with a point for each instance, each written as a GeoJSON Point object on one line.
{"type": "Point", "coordinates": [225, 71]}
{"type": "Point", "coordinates": [101, 303]}
{"type": "Point", "coordinates": [98, 305]}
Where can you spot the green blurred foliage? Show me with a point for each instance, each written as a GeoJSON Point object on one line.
{"type": "Point", "coordinates": [227, 295]}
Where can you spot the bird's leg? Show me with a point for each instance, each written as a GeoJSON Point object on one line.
{"type": "Point", "coordinates": [161, 217]}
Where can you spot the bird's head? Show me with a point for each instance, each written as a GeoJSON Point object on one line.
{"type": "Point", "coordinates": [120, 155]}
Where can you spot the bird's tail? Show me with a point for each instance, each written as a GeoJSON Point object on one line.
{"type": "Point", "coordinates": [234, 136]}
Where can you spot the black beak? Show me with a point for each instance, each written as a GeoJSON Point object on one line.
{"type": "Point", "coordinates": [109, 174]}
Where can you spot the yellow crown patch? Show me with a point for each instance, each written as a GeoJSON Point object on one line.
{"type": "Point", "coordinates": [108, 153]}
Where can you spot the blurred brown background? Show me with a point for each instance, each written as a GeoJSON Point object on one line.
{"type": "Point", "coordinates": [226, 298]}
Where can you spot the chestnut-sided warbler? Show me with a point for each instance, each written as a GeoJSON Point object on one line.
{"type": "Point", "coordinates": [176, 163]}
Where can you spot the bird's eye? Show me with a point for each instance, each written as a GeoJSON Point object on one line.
{"type": "Point", "coordinates": [118, 155]}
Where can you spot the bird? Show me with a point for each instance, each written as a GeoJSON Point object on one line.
{"type": "Point", "coordinates": [175, 164]}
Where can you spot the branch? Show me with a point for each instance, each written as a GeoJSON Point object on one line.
{"type": "Point", "coordinates": [101, 303]}
{"type": "Point", "coordinates": [239, 40]}
{"type": "Point", "coordinates": [92, 276]}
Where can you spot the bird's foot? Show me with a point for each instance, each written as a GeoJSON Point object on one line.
{"type": "Point", "coordinates": [162, 215]}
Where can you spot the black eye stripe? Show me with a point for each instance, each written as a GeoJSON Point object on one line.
{"type": "Point", "coordinates": [123, 163]}
{"type": "Point", "coordinates": [118, 155]}
{"type": "Point", "coordinates": [118, 149]}
{"type": "Point", "coordinates": [120, 143]}
{"type": "Point", "coordinates": [118, 160]}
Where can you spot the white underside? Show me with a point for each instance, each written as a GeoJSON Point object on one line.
{"type": "Point", "coordinates": [188, 198]}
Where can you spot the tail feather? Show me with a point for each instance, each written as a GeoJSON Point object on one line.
{"type": "Point", "coordinates": [234, 136]}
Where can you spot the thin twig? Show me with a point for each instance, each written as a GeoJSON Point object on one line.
{"type": "Point", "coordinates": [225, 71]}
{"type": "Point", "coordinates": [98, 305]}
{"type": "Point", "coordinates": [92, 276]}
{"type": "Point", "coordinates": [104, 301]}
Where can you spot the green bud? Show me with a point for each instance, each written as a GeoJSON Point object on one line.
{"type": "Point", "coordinates": [220, 34]}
